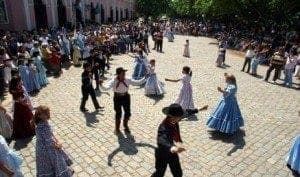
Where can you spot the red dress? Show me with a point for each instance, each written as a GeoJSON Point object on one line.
{"type": "Point", "coordinates": [22, 123]}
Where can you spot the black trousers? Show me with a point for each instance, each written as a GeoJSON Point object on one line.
{"type": "Point", "coordinates": [163, 159]}
{"type": "Point", "coordinates": [102, 68]}
{"type": "Point", "coordinates": [277, 72]}
{"type": "Point", "coordinates": [247, 62]}
{"type": "Point", "coordinates": [159, 45]}
{"type": "Point", "coordinates": [86, 91]}
{"type": "Point", "coordinates": [122, 102]}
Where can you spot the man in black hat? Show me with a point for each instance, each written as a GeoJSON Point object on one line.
{"type": "Point", "coordinates": [120, 85]}
{"type": "Point", "coordinates": [169, 142]}
{"type": "Point", "coordinates": [87, 88]}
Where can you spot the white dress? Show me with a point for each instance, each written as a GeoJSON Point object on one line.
{"type": "Point", "coordinates": [186, 52]}
{"type": "Point", "coordinates": [185, 98]}
{"type": "Point", "coordinates": [153, 85]}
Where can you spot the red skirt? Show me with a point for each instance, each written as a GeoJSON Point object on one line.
{"type": "Point", "coordinates": [22, 125]}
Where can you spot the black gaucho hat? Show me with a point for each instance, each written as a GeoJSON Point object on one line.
{"type": "Point", "coordinates": [174, 110]}
{"type": "Point", "coordinates": [120, 70]}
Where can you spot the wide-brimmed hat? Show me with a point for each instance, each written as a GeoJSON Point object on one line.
{"type": "Point", "coordinates": [120, 70]}
{"type": "Point", "coordinates": [174, 110]}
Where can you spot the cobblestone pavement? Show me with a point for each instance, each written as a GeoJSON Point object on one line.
{"type": "Point", "coordinates": [271, 114]}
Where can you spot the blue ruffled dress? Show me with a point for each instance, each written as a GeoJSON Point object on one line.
{"type": "Point", "coordinates": [42, 76]}
{"type": "Point", "coordinates": [294, 157]}
{"type": "Point", "coordinates": [227, 117]}
{"type": "Point", "coordinates": [9, 159]}
{"type": "Point", "coordinates": [140, 68]}
{"type": "Point", "coordinates": [24, 73]}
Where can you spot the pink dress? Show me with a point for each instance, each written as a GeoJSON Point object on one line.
{"type": "Point", "coordinates": [185, 98]}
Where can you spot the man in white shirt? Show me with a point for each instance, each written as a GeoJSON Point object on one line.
{"type": "Point", "coordinates": [120, 86]}
{"type": "Point", "coordinates": [249, 55]}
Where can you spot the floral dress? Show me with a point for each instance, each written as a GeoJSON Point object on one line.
{"type": "Point", "coordinates": [50, 162]}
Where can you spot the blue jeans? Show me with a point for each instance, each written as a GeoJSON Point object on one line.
{"type": "Point", "coordinates": [288, 80]}
{"type": "Point", "coordinates": [254, 65]}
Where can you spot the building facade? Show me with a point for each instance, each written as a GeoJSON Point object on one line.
{"type": "Point", "coordinates": [34, 14]}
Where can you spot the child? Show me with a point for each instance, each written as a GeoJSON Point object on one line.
{"type": "Point", "coordinates": [42, 76]}
{"type": "Point", "coordinates": [153, 85]}
{"type": "Point", "coordinates": [169, 143]}
{"type": "Point", "coordinates": [51, 160]}
{"type": "Point", "coordinates": [22, 108]}
{"type": "Point", "coordinates": [55, 59]}
{"type": "Point", "coordinates": [186, 52]}
{"type": "Point", "coordinates": [289, 67]}
{"type": "Point", "coordinates": [33, 77]}
{"type": "Point", "coordinates": [7, 70]}
{"type": "Point", "coordinates": [5, 123]}
{"type": "Point", "coordinates": [227, 116]}
{"type": "Point", "coordinates": [293, 160]}
{"type": "Point", "coordinates": [87, 88]}
{"type": "Point", "coordinates": [185, 98]}
{"type": "Point", "coordinates": [24, 73]}
{"type": "Point", "coordinates": [10, 162]}
{"type": "Point", "coordinates": [259, 57]}
{"type": "Point", "coordinates": [140, 68]}
{"type": "Point", "coordinates": [221, 57]}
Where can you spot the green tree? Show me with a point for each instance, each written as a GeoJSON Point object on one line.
{"type": "Point", "coordinates": [153, 8]}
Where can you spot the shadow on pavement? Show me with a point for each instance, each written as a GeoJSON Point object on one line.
{"type": "Point", "coordinates": [22, 143]}
{"type": "Point", "coordinates": [128, 146]}
{"type": "Point", "coordinates": [156, 98]}
{"type": "Point", "coordinates": [91, 118]}
{"type": "Point", "coordinates": [237, 139]}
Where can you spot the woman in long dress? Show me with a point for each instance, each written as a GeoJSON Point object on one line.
{"type": "Point", "coordinates": [140, 68]}
{"type": "Point", "coordinates": [227, 117]}
{"type": "Point", "coordinates": [186, 52]}
{"type": "Point", "coordinates": [22, 123]}
{"type": "Point", "coordinates": [33, 76]}
{"type": "Point", "coordinates": [42, 76]}
{"type": "Point", "coordinates": [221, 57]}
{"type": "Point", "coordinates": [24, 73]}
{"type": "Point", "coordinates": [5, 123]}
{"type": "Point", "coordinates": [153, 85]}
{"type": "Point", "coordinates": [170, 35]}
{"type": "Point", "coordinates": [293, 160]}
{"type": "Point", "coordinates": [76, 55]}
{"type": "Point", "coordinates": [10, 162]}
{"type": "Point", "coordinates": [185, 98]}
{"type": "Point", "coordinates": [51, 160]}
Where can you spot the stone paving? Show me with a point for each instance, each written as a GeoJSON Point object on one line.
{"type": "Point", "coordinates": [271, 114]}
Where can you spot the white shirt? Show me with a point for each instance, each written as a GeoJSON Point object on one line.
{"type": "Point", "coordinates": [250, 54]}
{"type": "Point", "coordinates": [122, 88]}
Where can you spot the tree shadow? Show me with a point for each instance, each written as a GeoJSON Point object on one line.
{"type": "Point", "coordinates": [22, 143]}
{"type": "Point", "coordinates": [237, 139]}
{"type": "Point", "coordinates": [91, 118]}
{"type": "Point", "coordinates": [128, 146]}
{"type": "Point", "coordinates": [156, 98]}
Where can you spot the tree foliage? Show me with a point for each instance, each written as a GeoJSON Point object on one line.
{"type": "Point", "coordinates": [153, 8]}
{"type": "Point", "coordinates": [280, 11]}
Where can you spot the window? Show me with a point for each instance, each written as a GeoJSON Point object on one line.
{"type": "Point", "coordinates": [3, 12]}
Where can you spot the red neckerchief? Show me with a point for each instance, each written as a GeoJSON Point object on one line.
{"type": "Point", "coordinates": [121, 81]}
{"type": "Point", "coordinates": [175, 132]}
